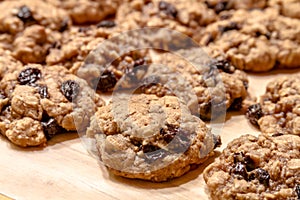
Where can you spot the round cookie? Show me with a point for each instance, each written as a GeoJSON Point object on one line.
{"type": "Point", "coordinates": [216, 84]}
{"type": "Point", "coordinates": [38, 102]}
{"type": "Point", "coordinates": [87, 11]}
{"type": "Point", "coordinates": [150, 138]}
{"type": "Point", "coordinates": [256, 40]}
{"type": "Point", "coordinates": [279, 108]}
{"type": "Point", "coordinates": [256, 168]}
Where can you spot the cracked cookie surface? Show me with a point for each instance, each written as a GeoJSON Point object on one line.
{"type": "Point", "coordinates": [256, 168]}
{"type": "Point", "coordinates": [150, 138]}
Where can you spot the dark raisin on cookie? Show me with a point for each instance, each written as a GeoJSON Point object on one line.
{"type": "Point", "coordinates": [50, 127]}
{"type": "Point", "coordinates": [231, 26]}
{"type": "Point", "coordinates": [169, 134]}
{"type": "Point", "coordinates": [263, 176]}
{"type": "Point", "coordinates": [29, 76]}
{"type": "Point", "coordinates": [267, 35]}
{"type": "Point", "coordinates": [219, 7]}
{"type": "Point", "coordinates": [237, 104]}
{"type": "Point", "coordinates": [139, 62]}
{"type": "Point", "coordinates": [244, 159]}
{"type": "Point", "coordinates": [297, 189]}
{"type": "Point", "coordinates": [70, 89]}
{"type": "Point", "coordinates": [217, 141]}
{"type": "Point", "coordinates": [64, 25]}
{"type": "Point", "coordinates": [43, 91]}
{"type": "Point", "coordinates": [106, 82]}
{"type": "Point", "coordinates": [277, 134]}
{"type": "Point", "coordinates": [25, 14]}
{"type": "Point", "coordinates": [239, 170]}
{"type": "Point", "coordinates": [168, 9]}
{"type": "Point", "coordinates": [254, 113]}
{"type": "Point", "coordinates": [153, 153]}
{"type": "Point", "coordinates": [106, 24]}
{"type": "Point", "coordinates": [223, 65]}
{"type": "Point", "coordinates": [180, 143]}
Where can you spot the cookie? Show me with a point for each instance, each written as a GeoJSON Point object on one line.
{"type": "Point", "coordinates": [208, 88]}
{"type": "Point", "coordinates": [289, 8]}
{"type": "Point", "coordinates": [150, 138]}
{"type": "Point", "coordinates": [76, 44]}
{"type": "Point", "coordinates": [87, 11]}
{"type": "Point", "coordinates": [16, 15]}
{"type": "Point", "coordinates": [178, 15]}
{"type": "Point", "coordinates": [256, 168]}
{"type": "Point", "coordinates": [30, 28]}
{"type": "Point", "coordinates": [279, 108]}
{"type": "Point", "coordinates": [255, 40]}
{"type": "Point", "coordinates": [38, 102]}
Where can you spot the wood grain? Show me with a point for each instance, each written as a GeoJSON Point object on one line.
{"type": "Point", "coordinates": [64, 169]}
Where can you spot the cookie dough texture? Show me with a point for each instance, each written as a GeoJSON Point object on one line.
{"type": "Point", "coordinates": [14, 20]}
{"type": "Point", "coordinates": [150, 138]}
{"type": "Point", "coordinates": [256, 168]}
{"type": "Point", "coordinates": [87, 11]}
{"type": "Point", "coordinates": [32, 97]}
{"type": "Point", "coordinates": [289, 8]}
{"type": "Point", "coordinates": [255, 40]}
{"type": "Point", "coordinates": [281, 106]}
{"type": "Point", "coordinates": [178, 15]}
{"type": "Point", "coordinates": [29, 28]}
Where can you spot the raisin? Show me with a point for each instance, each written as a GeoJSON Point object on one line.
{"type": "Point", "coordinates": [70, 89]}
{"type": "Point", "coordinates": [168, 9]}
{"type": "Point", "coordinates": [254, 113]}
{"type": "Point", "coordinates": [106, 24]}
{"type": "Point", "coordinates": [297, 189]}
{"type": "Point", "coordinates": [239, 170]}
{"type": "Point", "coordinates": [29, 76]}
{"type": "Point", "coordinates": [180, 143]}
{"type": "Point", "coordinates": [83, 29]}
{"type": "Point", "coordinates": [223, 65]}
{"type": "Point", "coordinates": [246, 85]}
{"type": "Point", "coordinates": [229, 27]}
{"type": "Point", "coordinates": [267, 35]}
{"type": "Point", "coordinates": [25, 14]}
{"type": "Point", "coordinates": [139, 62]}
{"type": "Point", "coordinates": [153, 153]}
{"type": "Point", "coordinates": [277, 134]}
{"type": "Point", "coordinates": [263, 176]}
{"type": "Point", "coordinates": [217, 141]}
{"type": "Point", "coordinates": [237, 104]}
{"type": "Point", "coordinates": [251, 177]}
{"type": "Point", "coordinates": [64, 25]}
{"type": "Point", "coordinates": [106, 82]}
{"type": "Point", "coordinates": [50, 127]}
{"type": "Point", "coordinates": [244, 159]}
{"type": "Point", "coordinates": [169, 134]}
{"type": "Point", "coordinates": [43, 91]}
{"type": "Point", "coordinates": [221, 6]}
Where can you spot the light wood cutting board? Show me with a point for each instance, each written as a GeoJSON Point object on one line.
{"type": "Point", "coordinates": [64, 169]}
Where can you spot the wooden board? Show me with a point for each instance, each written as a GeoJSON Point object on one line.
{"type": "Point", "coordinates": [64, 169]}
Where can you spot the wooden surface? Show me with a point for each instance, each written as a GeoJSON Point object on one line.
{"type": "Point", "coordinates": [64, 169]}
